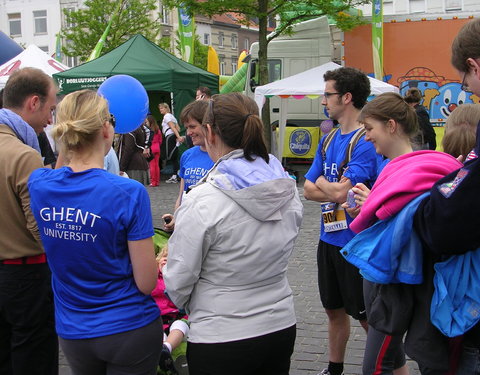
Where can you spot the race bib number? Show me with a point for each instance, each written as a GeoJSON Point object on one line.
{"type": "Point", "coordinates": [334, 218]}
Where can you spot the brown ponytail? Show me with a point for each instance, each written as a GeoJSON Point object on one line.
{"type": "Point", "coordinates": [234, 118]}
{"type": "Point", "coordinates": [253, 140]}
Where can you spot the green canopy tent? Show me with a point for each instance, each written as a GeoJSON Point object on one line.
{"type": "Point", "coordinates": [160, 73]}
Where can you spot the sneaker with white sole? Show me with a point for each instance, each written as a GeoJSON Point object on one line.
{"type": "Point", "coordinates": [172, 180]}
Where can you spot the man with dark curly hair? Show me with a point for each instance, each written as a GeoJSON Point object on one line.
{"type": "Point", "coordinates": [328, 181]}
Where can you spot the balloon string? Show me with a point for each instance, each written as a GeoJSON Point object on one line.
{"type": "Point", "coordinates": [120, 148]}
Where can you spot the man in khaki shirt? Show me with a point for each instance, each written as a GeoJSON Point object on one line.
{"type": "Point", "coordinates": [28, 342]}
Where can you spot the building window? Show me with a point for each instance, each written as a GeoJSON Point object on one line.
{"type": "Point", "coordinates": [15, 21]}
{"type": "Point", "coordinates": [453, 5]}
{"type": "Point", "coordinates": [246, 44]}
{"type": "Point", "coordinates": [417, 6]}
{"type": "Point", "coordinates": [40, 20]}
{"type": "Point", "coordinates": [234, 41]}
{"type": "Point", "coordinates": [221, 38]}
{"type": "Point", "coordinates": [222, 65]}
{"type": "Point", "coordinates": [234, 65]}
{"type": "Point", "coordinates": [68, 22]}
{"type": "Point", "coordinates": [165, 15]}
{"type": "Point", "coordinates": [44, 48]}
{"type": "Point", "coordinates": [72, 61]}
{"type": "Point", "coordinates": [206, 39]}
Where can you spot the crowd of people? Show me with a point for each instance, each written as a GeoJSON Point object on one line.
{"type": "Point", "coordinates": [78, 266]}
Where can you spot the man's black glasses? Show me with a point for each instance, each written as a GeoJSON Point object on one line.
{"type": "Point", "coordinates": [329, 94]}
{"type": "Point", "coordinates": [464, 86]}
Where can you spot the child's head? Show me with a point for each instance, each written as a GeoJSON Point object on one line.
{"type": "Point", "coordinates": [388, 120]}
{"type": "Point", "coordinates": [461, 130]}
{"type": "Point", "coordinates": [163, 252]}
{"type": "Point", "coordinates": [162, 257]}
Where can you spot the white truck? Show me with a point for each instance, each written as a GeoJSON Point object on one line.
{"type": "Point", "coordinates": [310, 45]}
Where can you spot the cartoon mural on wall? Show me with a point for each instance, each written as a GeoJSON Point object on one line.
{"type": "Point", "coordinates": [440, 95]}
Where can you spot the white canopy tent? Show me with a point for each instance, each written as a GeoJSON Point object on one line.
{"type": "Point", "coordinates": [309, 84]}
{"type": "Point", "coordinates": [32, 57]}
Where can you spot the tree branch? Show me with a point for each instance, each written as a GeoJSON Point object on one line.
{"type": "Point", "coordinates": [275, 10]}
{"type": "Point", "coordinates": [284, 26]}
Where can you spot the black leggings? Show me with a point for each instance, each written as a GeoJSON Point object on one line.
{"type": "Point", "coordinates": [263, 355]}
{"type": "Point", "coordinates": [134, 352]}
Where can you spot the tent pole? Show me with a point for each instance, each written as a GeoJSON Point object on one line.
{"type": "Point", "coordinates": [282, 127]}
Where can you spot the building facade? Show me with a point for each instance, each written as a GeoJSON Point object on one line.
{"type": "Point", "coordinates": [428, 7]}
{"type": "Point", "coordinates": [31, 22]}
{"type": "Point", "coordinates": [229, 38]}
{"type": "Point", "coordinates": [225, 41]}
{"type": "Point", "coordinates": [38, 22]}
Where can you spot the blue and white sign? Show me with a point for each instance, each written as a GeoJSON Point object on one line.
{"type": "Point", "coordinates": [300, 142]}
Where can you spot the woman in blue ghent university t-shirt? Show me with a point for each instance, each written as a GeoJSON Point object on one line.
{"type": "Point", "coordinates": [97, 231]}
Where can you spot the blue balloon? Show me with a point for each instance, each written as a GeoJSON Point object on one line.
{"type": "Point", "coordinates": [127, 101]}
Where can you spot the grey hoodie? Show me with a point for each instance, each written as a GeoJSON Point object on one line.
{"type": "Point", "coordinates": [228, 256]}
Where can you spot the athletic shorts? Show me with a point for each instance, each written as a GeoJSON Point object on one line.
{"type": "Point", "coordinates": [339, 282]}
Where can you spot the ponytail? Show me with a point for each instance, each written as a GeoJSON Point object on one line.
{"type": "Point", "coordinates": [234, 118]}
{"type": "Point", "coordinates": [80, 117]}
{"type": "Point", "coordinates": [253, 140]}
{"type": "Point", "coordinates": [73, 134]}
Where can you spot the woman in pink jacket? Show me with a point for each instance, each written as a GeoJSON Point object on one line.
{"type": "Point", "coordinates": [390, 124]}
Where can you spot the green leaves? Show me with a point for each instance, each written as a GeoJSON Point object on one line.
{"type": "Point", "coordinates": [86, 25]}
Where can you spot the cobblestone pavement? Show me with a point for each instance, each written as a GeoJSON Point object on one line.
{"type": "Point", "coordinates": [311, 352]}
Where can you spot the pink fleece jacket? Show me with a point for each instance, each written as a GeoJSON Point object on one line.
{"type": "Point", "coordinates": [403, 179]}
{"type": "Point", "coordinates": [163, 302]}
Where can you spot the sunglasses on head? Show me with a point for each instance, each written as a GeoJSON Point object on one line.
{"type": "Point", "coordinates": [112, 120]}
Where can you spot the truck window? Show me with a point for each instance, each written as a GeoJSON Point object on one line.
{"type": "Point", "coordinates": [274, 72]}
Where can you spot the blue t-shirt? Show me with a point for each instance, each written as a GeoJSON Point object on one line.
{"type": "Point", "coordinates": [383, 163]}
{"type": "Point", "coordinates": [110, 162]}
{"type": "Point", "coordinates": [194, 164]}
{"type": "Point", "coordinates": [85, 220]}
{"type": "Point", "coordinates": [362, 167]}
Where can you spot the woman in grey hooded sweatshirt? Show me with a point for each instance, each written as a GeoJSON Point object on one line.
{"type": "Point", "coordinates": [228, 257]}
